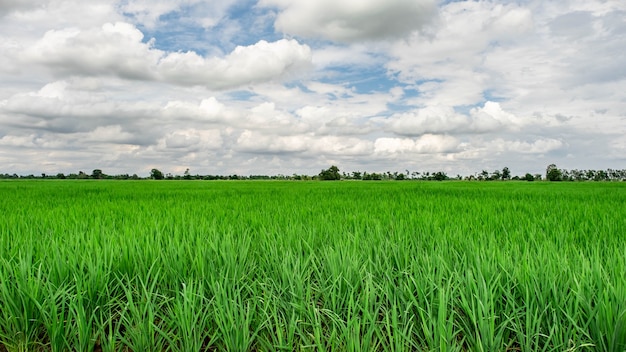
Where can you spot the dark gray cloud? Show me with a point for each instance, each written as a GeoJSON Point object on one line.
{"type": "Point", "coordinates": [350, 21]}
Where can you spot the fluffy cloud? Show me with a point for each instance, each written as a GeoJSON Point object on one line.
{"type": "Point", "coordinates": [192, 140]}
{"type": "Point", "coordinates": [208, 110]}
{"type": "Point", "coordinates": [426, 144]}
{"type": "Point", "coordinates": [254, 142]}
{"type": "Point", "coordinates": [354, 20]}
{"type": "Point", "coordinates": [428, 85]}
{"type": "Point", "coordinates": [444, 119]}
{"type": "Point", "coordinates": [97, 52]}
{"type": "Point", "coordinates": [260, 62]}
{"type": "Point", "coordinates": [108, 134]}
{"type": "Point", "coordinates": [447, 62]}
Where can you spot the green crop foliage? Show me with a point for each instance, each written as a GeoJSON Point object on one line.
{"type": "Point", "coordinates": [312, 266]}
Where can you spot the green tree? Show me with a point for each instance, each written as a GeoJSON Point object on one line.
{"type": "Point", "coordinates": [496, 175]}
{"type": "Point", "coordinates": [529, 177]}
{"type": "Point", "coordinates": [553, 173]}
{"type": "Point", "coordinates": [155, 174]}
{"type": "Point", "coordinates": [506, 173]}
{"type": "Point", "coordinates": [440, 176]}
{"type": "Point", "coordinates": [97, 174]}
{"type": "Point", "coordinates": [332, 173]}
{"type": "Point", "coordinates": [484, 175]}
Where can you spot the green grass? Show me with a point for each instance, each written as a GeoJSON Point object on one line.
{"type": "Point", "coordinates": [312, 266]}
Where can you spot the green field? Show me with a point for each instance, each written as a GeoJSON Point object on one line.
{"type": "Point", "coordinates": [315, 266]}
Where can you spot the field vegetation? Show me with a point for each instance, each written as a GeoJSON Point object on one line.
{"type": "Point", "coordinates": [100, 265]}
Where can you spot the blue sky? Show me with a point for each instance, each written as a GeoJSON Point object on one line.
{"type": "Point", "coordinates": [290, 86]}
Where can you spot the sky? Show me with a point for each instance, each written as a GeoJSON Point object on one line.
{"type": "Point", "coordinates": [270, 87]}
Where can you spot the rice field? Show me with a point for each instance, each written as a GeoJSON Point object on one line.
{"type": "Point", "coordinates": [312, 266]}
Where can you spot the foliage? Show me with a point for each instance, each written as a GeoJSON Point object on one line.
{"type": "Point", "coordinates": [330, 174]}
{"type": "Point", "coordinates": [155, 174]}
{"type": "Point", "coordinates": [553, 173]}
{"type": "Point", "coordinates": [506, 173]}
{"type": "Point", "coordinates": [333, 174]}
{"type": "Point", "coordinates": [97, 174]}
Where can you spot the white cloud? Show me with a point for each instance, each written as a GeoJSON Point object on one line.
{"type": "Point", "coordinates": [369, 85]}
{"type": "Point", "coordinates": [192, 139]}
{"type": "Point", "coordinates": [309, 144]}
{"type": "Point", "coordinates": [256, 63]}
{"type": "Point", "coordinates": [97, 52]}
{"type": "Point", "coordinates": [36, 17]}
{"type": "Point", "coordinates": [447, 64]}
{"type": "Point", "coordinates": [108, 134]}
{"type": "Point", "coordinates": [444, 119]}
{"type": "Point", "coordinates": [426, 144]}
{"type": "Point", "coordinates": [539, 146]}
{"type": "Point", "coordinates": [353, 20]}
{"type": "Point", "coordinates": [209, 110]}
{"type": "Point", "coordinates": [436, 119]}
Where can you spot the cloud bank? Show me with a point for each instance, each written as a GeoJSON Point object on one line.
{"type": "Point", "coordinates": [282, 86]}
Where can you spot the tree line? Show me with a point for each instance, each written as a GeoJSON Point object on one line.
{"type": "Point", "coordinates": [553, 173]}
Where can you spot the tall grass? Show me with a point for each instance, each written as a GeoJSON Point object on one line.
{"type": "Point", "coordinates": [287, 266]}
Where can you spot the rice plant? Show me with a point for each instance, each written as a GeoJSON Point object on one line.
{"type": "Point", "coordinates": [312, 266]}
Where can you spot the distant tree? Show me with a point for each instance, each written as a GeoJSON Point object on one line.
{"type": "Point", "coordinates": [97, 174]}
{"type": "Point", "coordinates": [331, 173]}
{"type": "Point", "coordinates": [356, 175]}
{"type": "Point", "coordinates": [601, 175]}
{"type": "Point", "coordinates": [484, 175]}
{"type": "Point", "coordinates": [60, 176]}
{"type": "Point", "coordinates": [440, 176]}
{"type": "Point", "coordinates": [506, 173]}
{"type": "Point", "coordinates": [187, 175]}
{"type": "Point", "coordinates": [553, 173]}
{"type": "Point", "coordinates": [529, 177]}
{"type": "Point", "coordinates": [155, 174]}
{"type": "Point", "coordinates": [496, 175]}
